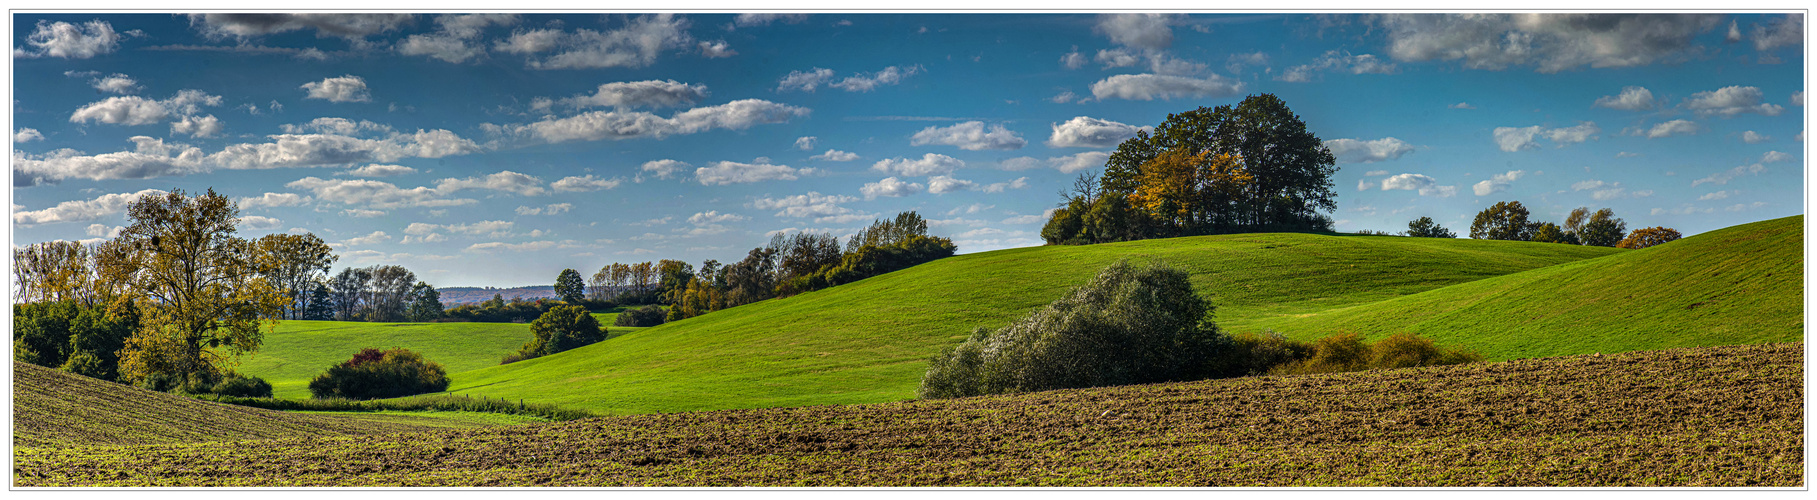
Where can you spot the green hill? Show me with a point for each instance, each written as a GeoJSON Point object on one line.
{"type": "Point", "coordinates": [55, 409]}
{"type": "Point", "coordinates": [1717, 416]}
{"type": "Point", "coordinates": [299, 350]}
{"type": "Point", "coordinates": [868, 341]}
{"type": "Point", "coordinates": [1738, 285]}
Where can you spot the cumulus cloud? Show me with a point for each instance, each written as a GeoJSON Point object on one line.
{"type": "Point", "coordinates": [1148, 87]}
{"type": "Point", "coordinates": [998, 187]}
{"type": "Point", "coordinates": [806, 143]}
{"type": "Point", "coordinates": [928, 164]}
{"type": "Point", "coordinates": [333, 125]}
{"type": "Point", "coordinates": [1513, 139]}
{"type": "Point", "coordinates": [135, 110]}
{"type": "Point", "coordinates": [1674, 127]}
{"type": "Point", "coordinates": [259, 222]}
{"type": "Point", "coordinates": [716, 49]}
{"type": "Point", "coordinates": [455, 40]}
{"type": "Point", "coordinates": [353, 27]}
{"type": "Point", "coordinates": [1065, 164]}
{"type": "Point", "coordinates": [1143, 31]}
{"type": "Point", "coordinates": [507, 181]}
{"type": "Point", "coordinates": [1775, 157]}
{"type": "Point", "coordinates": [1548, 42]}
{"type": "Point", "coordinates": [970, 136]}
{"type": "Point", "coordinates": [1631, 98]}
{"type": "Point", "coordinates": [834, 155]}
{"type": "Point", "coordinates": [811, 205]}
{"type": "Point", "coordinates": [1719, 195]}
{"type": "Point", "coordinates": [377, 170]}
{"type": "Point", "coordinates": [620, 125]}
{"type": "Point", "coordinates": [1723, 178]}
{"type": "Point", "coordinates": [1461, 105]}
{"type": "Point", "coordinates": [150, 158]}
{"type": "Point", "coordinates": [69, 41]}
{"type": "Point", "coordinates": [553, 209]}
{"type": "Point", "coordinates": [891, 187]}
{"type": "Point", "coordinates": [81, 210]}
{"type": "Point", "coordinates": [721, 173]}
{"type": "Point", "coordinates": [345, 88]}
{"type": "Point", "coordinates": [1497, 183]}
{"type": "Point", "coordinates": [764, 19]}
{"type": "Point", "coordinates": [115, 83]}
{"type": "Point", "coordinates": [1782, 31]}
{"type": "Point", "coordinates": [1361, 151]}
{"type": "Point", "coordinates": [636, 45]}
{"type": "Point", "coordinates": [1073, 60]}
{"type": "Point", "coordinates": [26, 134]}
{"type": "Point", "coordinates": [945, 184]}
{"type": "Point", "coordinates": [1427, 186]}
{"type": "Point", "coordinates": [205, 126]}
{"type": "Point", "coordinates": [298, 150]}
{"type": "Point", "coordinates": [663, 169]}
{"type": "Point", "coordinates": [812, 79]}
{"type": "Point", "coordinates": [1730, 101]}
{"type": "Point", "coordinates": [373, 194]}
{"type": "Point", "coordinates": [1357, 64]}
{"type": "Point", "coordinates": [643, 94]}
{"type": "Point", "coordinates": [805, 81]}
{"type": "Point", "coordinates": [1752, 137]}
{"type": "Point", "coordinates": [495, 246]}
{"type": "Point", "coordinates": [1088, 132]}
{"type": "Point", "coordinates": [576, 184]}
{"type": "Point", "coordinates": [273, 200]}
{"type": "Point", "coordinates": [714, 217]}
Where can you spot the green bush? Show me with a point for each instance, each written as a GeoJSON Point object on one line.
{"type": "Point", "coordinates": [242, 386]}
{"type": "Point", "coordinates": [1129, 325]}
{"type": "Point", "coordinates": [640, 317]}
{"type": "Point", "coordinates": [1252, 354]}
{"type": "Point", "coordinates": [375, 374]}
{"type": "Point", "coordinates": [1403, 350]}
{"type": "Point", "coordinates": [560, 329]}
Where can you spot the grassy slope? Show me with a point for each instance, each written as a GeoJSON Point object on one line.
{"type": "Point", "coordinates": [299, 350]}
{"type": "Point", "coordinates": [53, 408]}
{"type": "Point", "coordinates": [1722, 416]}
{"type": "Point", "coordinates": [868, 341]}
{"type": "Point", "coordinates": [1738, 285]}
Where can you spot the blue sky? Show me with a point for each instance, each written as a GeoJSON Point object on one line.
{"type": "Point", "coordinates": [497, 150]}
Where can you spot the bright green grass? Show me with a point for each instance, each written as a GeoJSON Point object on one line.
{"type": "Point", "coordinates": [299, 350]}
{"type": "Point", "coordinates": [1739, 285]}
{"type": "Point", "coordinates": [869, 341]}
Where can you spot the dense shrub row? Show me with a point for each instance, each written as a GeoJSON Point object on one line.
{"type": "Point", "coordinates": [375, 374]}
{"type": "Point", "coordinates": [640, 317]}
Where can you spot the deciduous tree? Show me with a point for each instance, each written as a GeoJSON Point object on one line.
{"type": "Point", "coordinates": [1424, 227]}
{"type": "Point", "coordinates": [294, 262]}
{"type": "Point", "coordinates": [1503, 221]}
{"type": "Point", "coordinates": [1603, 229]}
{"type": "Point", "coordinates": [1647, 237]}
{"type": "Point", "coordinates": [569, 287]}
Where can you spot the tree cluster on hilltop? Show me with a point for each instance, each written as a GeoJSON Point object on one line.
{"type": "Point", "coordinates": [1509, 220]}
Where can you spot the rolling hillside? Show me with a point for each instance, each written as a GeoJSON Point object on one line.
{"type": "Point", "coordinates": [1738, 285]}
{"type": "Point", "coordinates": [299, 350]}
{"type": "Point", "coordinates": [1721, 416]}
{"type": "Point", "coordinates": [868, 341]}
{"type": "Point", "coordinates": [56, 409]}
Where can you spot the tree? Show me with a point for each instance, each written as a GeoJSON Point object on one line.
{"type": "Point", "coordinates": [1503, 221]}
{"type": "Point", "coordinates": [1603, 229]}
{"type": "Point", "coordinates": [672, 281]}
{"type": "Point", "coordinates": [569, 287]}
{"type": "Point", "coordinates": [1424, 227]}
{"type": "Point", "coordinates": [321, 303]}
{"type": "Point", "coordinates": [390, 292]}
{"type": "Point", "coordinates": [1291, 167]}
{"type": "Point", "coordinates": [294, 262]}
{"type": "Point", "coordinates": [349, 292]}
{"type": "Point", "coordinates": [1647, 237]}
{"type": "Point", "coordinates": [425, 303]}
{"type": "Point", "coordinates": [561, 329]}
{"type": "Point", "coordinates": [1549, 233]}
{"type": "Point", "coordinates": [373, 374]}
{"type": "Point", "coordinates": [205, 297]}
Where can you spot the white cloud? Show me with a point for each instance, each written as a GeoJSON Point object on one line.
{"type": "Point", "coordinates": [370, 239]}
{"type": "Point", "coordinates": [70, 41]}
{"type": "Point", "coordinates": [763, 19]}
{"type": "Point", "coordinates": [454, 42]}
{"type": "Point", "coordinates": [1148, 87]}
{"type": "Point", "coordinates": [1357, 64]}
{"type": "Point", "coordinates": [620, 125]}
{"type": "Point", "coordinates": [346, 88]}
{"type": "Point", "coordinates": [259, 222]}
{"type": "Point", "coordinates": [1549, 42]}
{"type": "Point", "coordinates": [891, 187]}
{"type": "Point", "coordinates": [944, 184]}
{"type": "Point", "coordinates": [1065, 164]}
{"type": "Point", "coordinates": [1674, 127]}
{"type": "Point", "coordinates": [812, 205]}
{"type": "Point", "coordinates": [1117, 58]}
{"type": "Point", "coordinates": [1752, 137]}
{"type": "Point", "coordinates": [969, 209]}
{"type": "Point", "coordinates": [494, 246]}
{"type": "Point", "coordinates": [1625, 154]}
{"type": "Point", "coordinates": [1798, 98]}
{"type": "Point", "coordinates": [373, 194]}
{"type": "Point", "coordinates": [115, 83]}
{"type": "Point", "coordinates": [834, 155]}
{"type": "Point", "coordinates": [1364, 185]}
{"type": "Point", "coordinates": [1088, 132]}
{"type": "Point", "coordinates": [721, 173]}
{"type": "Point", "coordinates": [1632, 98]}
{"type": "Point", "coordinates": [26, 134]}
{"type": "Point", "coordinates": [970, 136]}
{"type": "Point", "coordinates": [81, 210]}
{"type": "Point", "coordinates": [102, 231]}
{"type": "Point", "coordinates": [1073, 60]}
{"type": "Point", "coordinates": [663, 169]}
{"type": "Point", "coordinates": [135, 110]}
{"type": "Point", "coordinates": [643, 94]}
{"type": "Point", "coordinates": [1361, 151]}
{"type": "Point", "coordinates": [1604, 191]}
{"type": "Point", "coordinates": [1730, 101]}
{"type": "Point", "coordinates": [1143, 31]}
{"type": "Point", "coordinates": [714, 217]}
{"type": "Point", "coordinates": [1745, 206]}
{"type": "Point", "coordinates": [806, 143]}
{"type": "Point", "coordinates": [353, 27]}
{"type": "Point", "coordinates": [1775, 157]}
{"type": "Point", "coordinates": [1427, 186]}
{"type": "Point", "coordinates": [1497, 183]}
{"type": "Point", "coordinates": [1723, 178]}
{"type": "Point", "coordinates": [1063, 97]}
{"type": "Point", "coordinates": [1513, 139]}
{"type": "Point", "coordinates": [507, 181]}
{"type": "Point", "coordinates": [1461, 105]}
{"type": "Point", "coordinates": [866, 83]}
{"type": "Point", "coordinates": [554, 209]}
{"type": "Point", "coordinates": [150, 158]}
{"type": "Point", "coordinates": [716, 49]}
{"type": "Point", "coordinates": [1719, 195]}
{"type": "Point", "coordinates": [377, 170]}
{"type": "Point", "coordinates": [998, 187]}
{"type": "Point", "coordinates": [1782, 31]}
{"type": "Point", "coordinates": [273, 200]}
{"type": "Point", "coordinates": [928, 164]}
{"type": "Point", "coordinates": [1026, 219]}
{"type": "Point", "coordinates": [297, 150]}
{"type": "Point", "coordinates": [207, 126]}
{"type": "Point", "coordinates": [635, 45]}
{"type": "Point", "coordinates": [336, 126]}
{"type": "Point", "coordinates": [576, 184]}
{"type": "Point", "coordinates": [362, 213]}
{"type": "Point", "coordinates": [805, 81]}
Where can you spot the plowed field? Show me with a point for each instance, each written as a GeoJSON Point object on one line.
{"type": "Point", "coordinates": [1720, 416]}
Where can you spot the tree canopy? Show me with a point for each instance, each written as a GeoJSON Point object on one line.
{"type": "Point", "coordinates": [1505, 220]}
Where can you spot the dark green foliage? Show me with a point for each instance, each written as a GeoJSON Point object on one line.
{"type": "Point", "coordinates": [375, 374]}
{"type": "Point", "coordinates": [85, 340]}
{"type": "Point", "coordinates": [640, 317]}
{"type": "Point", "coordinates": [41, 332]}
{"type": "Point", "coordinates": [1505, 220]}
{"type": "Point", "coordinates": [1129, 325]}
{"type": "Point", "coordinates": [242, 386]}
{"type": "Point", "coordinates": [1547, 232]}
{"type": "Point", "coordinates": [497, 310]}
{"type": "Point", "coordinates": [1251, 354]}
{"type": "Point", "coordinates": [425, 303]}
{"type": "Point", "coordinates": [560, 329]}
{"type": "Point", "coordinates": [569, 286]}
{"type": "Point", "coordinates": [1603, 229]}
{"type": "Point", "coordinates": [321, 304]}
{"type": "Point", "coordinates": [675, 276]}
{"type": "Point", "coordinates": [1424, 227]}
